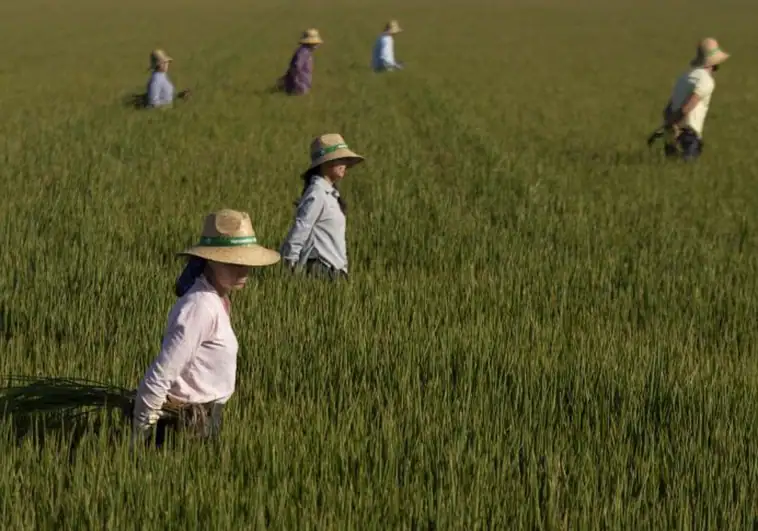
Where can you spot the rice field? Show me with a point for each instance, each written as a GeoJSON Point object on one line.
{"type": "Point", "coordinates": [547, 325]}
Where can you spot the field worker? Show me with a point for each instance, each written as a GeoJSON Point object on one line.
{"type": "Point", "coordinates": [160, 90]}
{"type": "Point", "coordinates": [195, 371]}
{"type": "Point", "coordinates": [684, 116]}
{"type": "Point", "coordinates": [316, 241]}
{"type": "Point", "coordinates": [383, 59]}
{"type": "Point", "coordinates": [299, 76]}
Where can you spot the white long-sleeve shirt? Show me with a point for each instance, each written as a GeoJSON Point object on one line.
{"type": "Point", "coordinates": [384, 53]}
{"type": "Point", "coordinates": [160, 91]}
{"type": "Point", "coordinates": [318, 232]}
{"type": "Point", "coordinates": [198, 358]}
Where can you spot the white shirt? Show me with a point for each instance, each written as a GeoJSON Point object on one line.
{"type": "Point", "coordinates": [198, 358]}
{"type": "Point", "coordinates": [160, 91]}
{"type": "Point", "coordinates": [384, 53]}
{"type": "Point", "coordinates": [698, 81]}
{"type": "Point", "coordinates": [319, 228]}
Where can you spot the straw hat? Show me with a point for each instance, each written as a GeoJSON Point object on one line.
{"type": "Point", "coordinates": [331, 147]}
{"type": "Point", "coordinates": [311, 36]}
{"type": "Point", "coordinates": [392, 27]}
{"type": "Point", "coordinates": [228, 237]}
{"type": "Point", "coordinates": [709, 53]}
{"type": "Point", "coordinates": [158, 57]}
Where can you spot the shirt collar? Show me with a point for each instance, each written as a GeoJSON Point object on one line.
{"type": "Point", "coordinates": [322, 183]}
{"type": "Point", "coordinates": [325, 185]}
{"type": "Point", "coordinates": [205, 285]}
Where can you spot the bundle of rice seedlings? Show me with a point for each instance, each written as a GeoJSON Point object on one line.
{"type": "Point", "coordinates": [44, 404]}
{"type": "Point", "coordinates": [27, 395]}
{"type": "Point", "coordinates": [59, 402]}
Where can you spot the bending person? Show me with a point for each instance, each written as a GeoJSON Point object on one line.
{"type": "Point", "coordinates": [684, 116]}
{"type": "Point", "coordinates": [160, 90]}
{"type": "Point", "coordinates": [383, 58]}
{"type": "Point", "coordinates": [299, 76]}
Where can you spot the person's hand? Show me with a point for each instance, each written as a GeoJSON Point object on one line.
{"type": "Point", "coordinates": [655, 135]}
{"type": "Point", "coordinates": [144, 419]}
{"type": "Point", "coordinates": [216, 420]}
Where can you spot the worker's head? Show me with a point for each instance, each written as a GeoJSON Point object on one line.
{"type": "Point", "coordinates": [159, 61]}
{"type": "Point", "coordinates": [709, 55]}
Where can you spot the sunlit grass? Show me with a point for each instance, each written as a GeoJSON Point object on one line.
{"type": "Point", "coordinates": [546, 326]}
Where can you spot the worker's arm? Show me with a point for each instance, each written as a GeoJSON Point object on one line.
{"type": "Point", "coordinates": [674, 117]}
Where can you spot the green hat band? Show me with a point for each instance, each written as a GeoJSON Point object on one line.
{"type": "Point", "coordinates": [226, 241]}
{"type": "Point", "coordinates": [331, 149]}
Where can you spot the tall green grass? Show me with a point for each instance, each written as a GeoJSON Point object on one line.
{"type": "Point", "coordinates": [547, 326]}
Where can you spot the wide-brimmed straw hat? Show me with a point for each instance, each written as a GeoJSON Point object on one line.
{"type": "Point", "coordinates": [311, 36]}
{"type": "Point", "coordinates": [228, 237]}
{"type": "Point", "coordinates": [158, 57]}
{"type": "Point", "coordinates": [709, 53]}
{"type": "Point", "coordinates": [392, 27]}
{"type": "Point", "coordinates": [329, 147]}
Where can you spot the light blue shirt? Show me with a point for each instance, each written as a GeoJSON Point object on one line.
{"type": "Point", "coordinates": [384, 53]}
{"type": "Point", "coordinates": [160, 91]}
{"type": "Point", "coordinates": [318, 232]}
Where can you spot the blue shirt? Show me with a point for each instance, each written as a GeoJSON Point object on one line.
{"type": "Point", "coordinates": [318, 232]}
{"type": "Point", "coordinates": [160, 91]}
{"type": "Point", "coordinates": [384, 53]}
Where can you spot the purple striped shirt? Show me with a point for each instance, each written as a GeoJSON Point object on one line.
{"type": "Point", "coordinates": [298, 78]}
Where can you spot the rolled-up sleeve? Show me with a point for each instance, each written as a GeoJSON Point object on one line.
{"type": "Point", "coordinates": [308, 211]}
{"type": "Point", "coordinates": [187, 328]}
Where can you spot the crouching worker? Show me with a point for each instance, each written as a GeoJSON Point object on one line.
{"type": "Point", "coordinates": [316, 241]}
{"type": "Point", "coordinates": [194, 374]}
{"type": "Point", "coordinates": [299, 77]}
{"type": "Point", "coordinates": [160, 90]}
{"type": "Point", "coordinates": [383, 57]}
{"type": "Point", "coordinates": [684, 115]}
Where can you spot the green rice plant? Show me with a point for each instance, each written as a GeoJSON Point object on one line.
{"type": "Point", "coordinates": [547, 326]}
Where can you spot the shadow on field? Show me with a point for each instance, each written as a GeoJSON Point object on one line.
{"type": "Point", "coordinates": [137, 101]}
{"type": "Point", "coordinates": [612, 158]}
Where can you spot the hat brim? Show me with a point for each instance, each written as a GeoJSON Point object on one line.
{"type": "Point", "coordinates": [717, 59]}
{"type": "Point", "coordinates": [350, 157]}
{"type": "Point", "coordinates": [249, 255]}
{"type": "Point", "coordinates": [311, 41]}
{"type": "Point", "coordinates": [714, 60]}
{"type": "Point", "coordinates": [165, 60]}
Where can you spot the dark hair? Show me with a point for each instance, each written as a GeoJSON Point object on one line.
{"type": "Point", "coordinates": [194, 268]}
{"type": "Point", "coordinates": [308, 177]}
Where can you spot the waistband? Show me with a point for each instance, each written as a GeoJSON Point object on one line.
{"type": "Point", "coordinates": [317, 262]}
